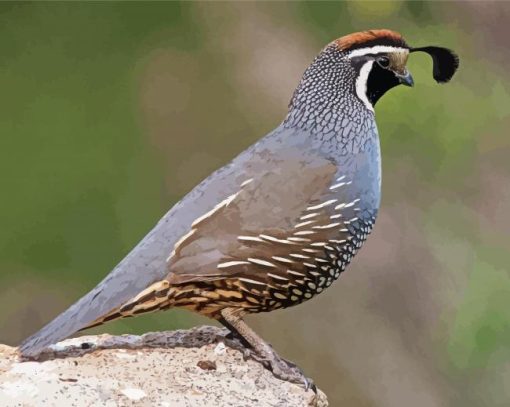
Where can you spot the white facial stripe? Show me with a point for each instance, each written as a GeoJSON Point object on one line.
{"type": "Point", "coordinates": [375, 50]}
{"type": "Point", "coordinates": [361, 84]}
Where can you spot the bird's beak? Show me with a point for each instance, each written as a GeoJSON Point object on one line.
{"type": "Point", "coordinates": [405, 78]}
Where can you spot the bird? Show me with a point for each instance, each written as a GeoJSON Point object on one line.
{"type": "Point", "coordinates": [278, 224]}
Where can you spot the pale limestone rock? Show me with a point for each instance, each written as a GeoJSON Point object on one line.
{"type": "Point", "coordinates": [166, 369]}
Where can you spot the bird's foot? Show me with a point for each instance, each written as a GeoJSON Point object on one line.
{"type": "Point", "coordinates": [288, 371]}
{"type": "Point", "coordinates": [259, 350]}
{"type": "Point", "coordinates": [281, 368]}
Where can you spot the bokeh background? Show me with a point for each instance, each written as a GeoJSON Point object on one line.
{"type": "Point", "coordinates": [111, 112]}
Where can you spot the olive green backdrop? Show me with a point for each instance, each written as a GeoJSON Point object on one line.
{"type": "Point", "coordinates": [110, 112]}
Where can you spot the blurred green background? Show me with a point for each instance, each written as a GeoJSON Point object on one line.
{"type": "Point", "coordinates": [111, 112]}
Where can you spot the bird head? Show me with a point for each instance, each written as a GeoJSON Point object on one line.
{"type": "Point", "coordinates": [351, 74]}
{"type": "Point", "coordinates": [379, 58]}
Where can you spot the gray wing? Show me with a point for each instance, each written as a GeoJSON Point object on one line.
{"type": "Point", "coordinates": [270, 208]}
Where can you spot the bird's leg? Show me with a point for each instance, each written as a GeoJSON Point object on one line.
{"type": "Point", "coordinates": [264, 352]}
{"type": "Point", "coordinates": [234, 334]}
{"type": "Point", "coordinates": [237, 341]}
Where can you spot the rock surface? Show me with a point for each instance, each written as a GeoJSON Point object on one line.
{"type": "Point", "coordinates": [167, 369]}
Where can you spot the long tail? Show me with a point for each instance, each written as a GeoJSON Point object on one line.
{"type": "Point", "coordinates": [156, 297]}
{"type": "Point", "coordinates": [143, 266]}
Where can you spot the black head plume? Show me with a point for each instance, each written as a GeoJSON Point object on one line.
{"type": "Point", "coordinates": [445, 62]}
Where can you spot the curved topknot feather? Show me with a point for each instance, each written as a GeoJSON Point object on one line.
{"type": "Point", "coordinates": [445, 62]}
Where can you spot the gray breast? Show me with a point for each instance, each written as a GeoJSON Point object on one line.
{"type": "Point", "coordinates": [356, 195]}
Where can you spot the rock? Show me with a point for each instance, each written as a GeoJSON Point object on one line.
{"type": "Point", "coordinates": [175, 369]}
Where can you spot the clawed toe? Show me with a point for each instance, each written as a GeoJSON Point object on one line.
{"type": "Point", "coordinates": [281, 368]}
{"type": "Point", "coordinates": [287, 371]}
{"type": "Point", "coordinates": [284, 370]}
{"type": "Point", "coordinates": [251, 354]}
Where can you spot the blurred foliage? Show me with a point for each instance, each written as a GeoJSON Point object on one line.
{"type": "Point", "coordinates": [84, 175]}
{"type": "Point", "coordinates": [483, 322]}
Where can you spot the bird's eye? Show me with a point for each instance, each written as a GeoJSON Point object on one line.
{"type": "Point", "coordinates": [384, 62]}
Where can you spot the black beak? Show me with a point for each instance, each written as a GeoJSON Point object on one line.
{"type": "Point", "coordinates": [405, 79]}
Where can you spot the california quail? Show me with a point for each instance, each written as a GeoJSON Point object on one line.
{"type": "Point", "coordinates": [278, 224]}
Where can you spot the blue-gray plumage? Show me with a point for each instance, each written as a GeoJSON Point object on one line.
{"type": "Point", "coordinates": [278, 224]}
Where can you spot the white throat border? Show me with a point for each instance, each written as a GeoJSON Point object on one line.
{"type": "Point", "coordinates": [361, 84]}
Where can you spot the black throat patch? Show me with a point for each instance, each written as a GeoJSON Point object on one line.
{"type": "Point", "coordinates": [379, 81]}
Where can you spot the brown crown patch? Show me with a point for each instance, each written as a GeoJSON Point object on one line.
{"type": "Point", "coordinates": [370, 38]}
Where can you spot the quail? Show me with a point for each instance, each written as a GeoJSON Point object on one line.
{"type": "Point", "coordinates": [279, 223]}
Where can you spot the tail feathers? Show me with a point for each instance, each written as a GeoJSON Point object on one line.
{"type": "Point", "coordinates": [78, 316]}
{"type": "Point", "coordinates": [156, 297]}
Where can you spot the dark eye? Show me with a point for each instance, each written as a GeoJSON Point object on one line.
{"type": "Point", "coordinates": [384, 62]}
